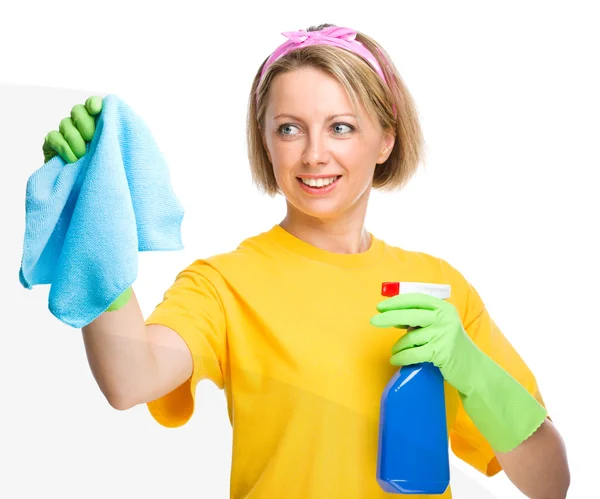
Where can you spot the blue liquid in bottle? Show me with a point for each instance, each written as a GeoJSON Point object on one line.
{"type": "Point", "coordinates": [413, 440]}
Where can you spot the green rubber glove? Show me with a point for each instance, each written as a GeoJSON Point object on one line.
{"type": "Point", "coordinates": [121, 300]}
{"type": "Point", "coordinates": [503, 411]}
{"type": "Point", "coordinates": [73, 132]}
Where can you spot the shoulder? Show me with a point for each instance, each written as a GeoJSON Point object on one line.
{"type": "Point", "coordinates": [438, 270]}
{"type": "Point", "coordinates": [219, 267]}
{"type": "Point", "coordinates": [426, 263]}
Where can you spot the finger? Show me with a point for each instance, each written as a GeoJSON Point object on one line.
{"type": "Point", "coordinates": [411, 356]}
{"type": "Point", "coordinates": [83, 121]}
{"type": "Point", "coordinates": [410, 300]}
{"type": "Point", "coordinates": [72, 136]}
{"type": "Point", "coordinates": [93, 105]}
{"type": "Point", "coordinates": [414, 338]}
{"type": "Point", "coordinates": [49, 153]}
{"type": "Point", "coordinates": [54, 141]}
{"type": "Point", "coordinates": [404, 318]}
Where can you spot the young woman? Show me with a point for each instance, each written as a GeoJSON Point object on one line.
{"type": "Point", "coordinates": [291, 324]}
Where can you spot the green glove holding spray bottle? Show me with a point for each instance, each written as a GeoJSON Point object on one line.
{"type": "Point", "coordinates": [505, 413]}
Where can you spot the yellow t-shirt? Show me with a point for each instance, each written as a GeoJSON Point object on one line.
{"type": "Point", "coordinates": [283, 327]}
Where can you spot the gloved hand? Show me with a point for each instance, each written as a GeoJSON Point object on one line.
{"type": "Point", "coordinates": [73, 132]}
{"type": "Point", "coordinates": [505, 413]}
{"type": "Point", "coordinates": [70, 143]}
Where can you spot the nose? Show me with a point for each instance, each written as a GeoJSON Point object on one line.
{"type": "Point", "coordinates": [317, 151]}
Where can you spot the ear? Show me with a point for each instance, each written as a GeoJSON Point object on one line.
{"type": "Point", "coordinates": [387, 144]}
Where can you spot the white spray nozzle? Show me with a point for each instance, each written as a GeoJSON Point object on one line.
{"type": "Point", "coordinates": [441, 291]}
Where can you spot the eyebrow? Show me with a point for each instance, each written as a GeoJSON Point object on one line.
{"type": "Point", "coordinates": [329, 118]}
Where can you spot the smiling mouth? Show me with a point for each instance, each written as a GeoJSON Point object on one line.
{"type": "Point", "coordinates": [318, 183]}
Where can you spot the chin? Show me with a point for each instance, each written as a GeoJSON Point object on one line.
{"type": "Point", "coordinates": [327, 207]}
{"type": "Point", "coordinates": [322, 209]}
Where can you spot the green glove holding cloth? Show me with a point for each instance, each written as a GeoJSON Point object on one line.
{"type": "Point", "coordinates": [69, 142]}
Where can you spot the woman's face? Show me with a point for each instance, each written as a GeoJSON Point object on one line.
{"type": "Point", "coordinates": [322, 159]}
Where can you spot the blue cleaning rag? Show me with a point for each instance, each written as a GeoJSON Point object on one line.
{"type": "Point", "coordinates": [86, 221]}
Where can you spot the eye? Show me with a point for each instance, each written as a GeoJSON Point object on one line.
{"type": "Point", "coordinates": [342, 128]}
{"type": "Point", "coordinates": [286, 129]}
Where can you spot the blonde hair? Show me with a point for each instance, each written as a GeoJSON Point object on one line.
{"type": "Point", "coordinates": [363, 85]}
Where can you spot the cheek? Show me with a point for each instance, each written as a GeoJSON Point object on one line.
{"type": "Point", "coordinates": [356, 159]}
{"type": "Point", "coordinates": [359, 162]}
{"type": "Point", "coordinates": [285, 157]}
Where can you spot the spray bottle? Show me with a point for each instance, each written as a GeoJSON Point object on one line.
{"type": "Point", "coordinates": [413, 442]}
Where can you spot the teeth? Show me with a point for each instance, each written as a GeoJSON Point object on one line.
{"type": "Point", "coordinates": [318, 182]}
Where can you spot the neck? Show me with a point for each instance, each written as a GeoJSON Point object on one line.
{"type": "Point", "coordinates": [346, 236]}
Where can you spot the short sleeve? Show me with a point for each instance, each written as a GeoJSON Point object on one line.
{"type": "Point", "coordinates": [192, 307]}
{"type": "Point", "coordinates": [467, 443]}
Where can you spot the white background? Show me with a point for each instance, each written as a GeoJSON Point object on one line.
{"type": "Point", "coordinates": [508, 97]}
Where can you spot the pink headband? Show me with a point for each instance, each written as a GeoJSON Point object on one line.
{"type": "Point", "coordinates": [334, 36]}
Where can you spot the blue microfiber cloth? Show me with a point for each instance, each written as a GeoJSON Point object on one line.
{"type": "Point", "coordinates": [86, 221]}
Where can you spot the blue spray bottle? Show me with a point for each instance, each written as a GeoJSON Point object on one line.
{"type": "Point", "coordinates": [413, 442]}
